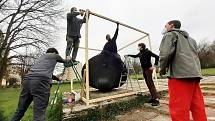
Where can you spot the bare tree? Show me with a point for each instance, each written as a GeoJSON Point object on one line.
{"type": "Point", "coordinates": [213, 46]}
{"type": "Point", "coordinates": [137, 66]}
{"type": "Point", "coordinates": [25, 62]}
{"type": "Point", "coordinates": [27, 23]}
{"type": "Point", "coordinates": [206, 52]}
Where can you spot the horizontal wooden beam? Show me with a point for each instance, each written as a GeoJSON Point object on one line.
{"type": "Point", "coordinates": [109, 19]}
{"type": "Point", "coordinates": [90, 49]}
{"type": "Point", "coordinates": [112, 97]}
{"type": "Point", "coordinates": [132, 43]}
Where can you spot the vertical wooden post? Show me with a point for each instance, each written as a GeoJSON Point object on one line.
{"type": "Point", "coordinates": [71, 85]}
{"type": "Point", "coordinates": [70, 77]}
{"type": "Point", "coordinates": [83, 84]}
{"type": "Point", "coordinates": [150, 45]}
{"type": "Point", "coordinates": [86, 58]}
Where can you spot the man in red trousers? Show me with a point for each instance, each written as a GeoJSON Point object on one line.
{"type": "Point", "coordinates": [179, 60]}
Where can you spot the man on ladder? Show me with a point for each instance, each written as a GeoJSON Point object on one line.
{"type": "Point", "coordinates": [73, 32]}
{"type": "Point", "coordinates": [74, 25]}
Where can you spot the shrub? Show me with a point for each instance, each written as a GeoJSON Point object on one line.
{"type": "Point", "coordinates": [12, 82]}
{"type": "Point", "coordinates": [108, 113]}
{"type": "Point", "coordinates": [56, 113]}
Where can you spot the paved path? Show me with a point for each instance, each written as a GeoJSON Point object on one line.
{"type": "Point", "coordinates": [161, 113]}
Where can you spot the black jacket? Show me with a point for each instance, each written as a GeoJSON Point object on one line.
{"type": "Point", "coordinates": [74, 24]}
{"type": "Point", "coordinates": [111, 45]}
{"type": "Point", "coordinates": [145, 58]}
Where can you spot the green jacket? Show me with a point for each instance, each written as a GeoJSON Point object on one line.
{"type": "Point", "coordinates": [178, 55]}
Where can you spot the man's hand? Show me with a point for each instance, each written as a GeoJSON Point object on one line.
{"type": "Point", "coordinates": [117, 25]}
{"type": "Point", "coordinates": [81, 13]}
{"type": "Point", "coordinates": [151, 68]}
{"type": "Point", "coordinates": [68, 58]}
{"type": "Point", "coordinates": [60, 78]}
{"type": "Point", "coordinates": [82, 10]}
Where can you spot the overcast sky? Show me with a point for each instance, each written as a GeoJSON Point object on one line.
{"type": "Point", "coordinates": [197, 18]}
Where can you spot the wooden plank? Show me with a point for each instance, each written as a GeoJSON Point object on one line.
{"type": "Point", "coordinates": [84, 99]}
{"type": "Point", "coordinates": [90, 49]}
{"type": "Point", "coordinates": [150, 45]}
{"type": "Point", "coordinates": [83, 84]}
{"type": "Point", "coordinates": [132, 43]}
{"type": "Point", "coordinates": [87, 58]}
{"type": "Point", "coordinates": [112, 97]}
{"type": "Point", "coordinates": [109, 19]}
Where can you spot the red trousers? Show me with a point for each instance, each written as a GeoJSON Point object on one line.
{"type": "Point", "coordinates": [185, 96]}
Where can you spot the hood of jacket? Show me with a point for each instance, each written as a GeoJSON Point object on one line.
{"type": "Point", "coordinates": [184, 33]}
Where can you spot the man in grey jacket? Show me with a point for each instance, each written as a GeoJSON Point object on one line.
{"type": "Point", "coordinates": [73, 32]}
{"type": "Point", "coordinates": [36, 86]}
{"type": "Point", "coordinates": [179, 60]}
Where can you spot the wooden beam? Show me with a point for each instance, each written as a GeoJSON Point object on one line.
{"type": "Point", "coordinates": [150, 45]}
{"type": "Point", "coordinates": [87, 58]}
{"type": "Point", "coordinates": [109, 19]}
{"type": "Point", "coordinates": [90, 49]}
{"type": "Point", "coordinates": [113, 96]}
{"type": "Point", "coordinates": [132, 43]}
{"type": "Point", "coordinates": [84, 99]}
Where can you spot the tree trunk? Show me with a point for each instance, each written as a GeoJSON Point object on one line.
{"type": "Point", "coordinates": [3, 67]}
{"type": "Point", "coordinates": [3, 64]}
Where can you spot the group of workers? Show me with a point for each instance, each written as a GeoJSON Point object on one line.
{"type": "Point", "coordinates": [178, 60]}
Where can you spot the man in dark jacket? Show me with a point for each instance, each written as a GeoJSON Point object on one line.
{"type": "Point", "coordinates": [145, 60]}
{"type": "Point", "coordinates": [36, 86]}
{"type": "Point", "coordinates": [111, 46]}
{"type": "Point", "coordinates": [73, 32]}
{"type": "Point", "coordinates": [179, 60]}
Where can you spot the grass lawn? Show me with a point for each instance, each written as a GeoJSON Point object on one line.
{"type": "Point", "coordinates": [208, 72]}
{"type": "Point", "coordinates": [205, 72]}
{"type": "Point", "coordinates": [9, 100]}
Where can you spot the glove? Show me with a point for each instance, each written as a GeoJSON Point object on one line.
{"type": "Point", "coordinates": [117, 25]}
{"type": "Point", "coordinates": [81, 10]}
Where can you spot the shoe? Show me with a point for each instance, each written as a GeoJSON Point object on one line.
{"type": "Point", "coordinates": [155, 102]}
